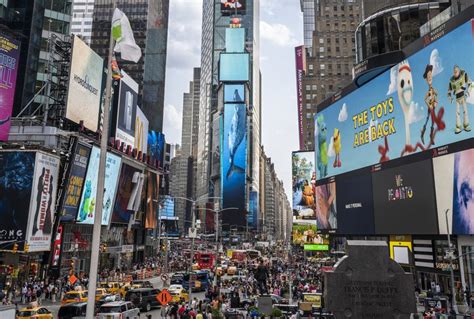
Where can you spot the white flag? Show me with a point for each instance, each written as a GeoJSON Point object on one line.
{"type": "Point", "coordinates": [123, 35]}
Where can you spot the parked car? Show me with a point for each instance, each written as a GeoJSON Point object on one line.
{"type": "Point", "coordinates": [75, 310]}
{"type": "Point", "coordinates": [74, 296]}
{"type": "Point", "coordinates": [118, 310]}
{"type": "Point", "coordinates": [106, 299]}
{"type": "Point", "coordinates": [143, 298]}
{"type": "Point", "coordinates": [34, 313]}
{"type": "Point", "coordinates": [178, 293]}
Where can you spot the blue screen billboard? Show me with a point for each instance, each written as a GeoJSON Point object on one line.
{"type": "Point", "coordinates": [420, 103]}
{"type": "Point", "coordinates": [234, 163]}
{"type": "Point", "coordinates": [88, 202]}
{"type": "Point", "coordinates": [234, 67]}
{"type": "Point", "coordinates": [156, 146]}
{"type": "Point", "coordinates": [166, 206]}
{"type": "Point", "coordinates": [234, 40]}
{"type": "Point", "coordinates": [252, 216]}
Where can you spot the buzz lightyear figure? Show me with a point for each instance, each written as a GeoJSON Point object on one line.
{"type": "Point", "coordinates": [459, 87]}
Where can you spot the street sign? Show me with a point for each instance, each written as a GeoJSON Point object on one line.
{"type": "Point", "coordinates": [164, 297]}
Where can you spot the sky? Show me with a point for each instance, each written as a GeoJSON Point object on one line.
{"type": "Point", "coordinates": [281, 29]}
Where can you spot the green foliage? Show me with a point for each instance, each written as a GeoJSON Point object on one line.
{"type": "Point", "coordinates": [276, 313]}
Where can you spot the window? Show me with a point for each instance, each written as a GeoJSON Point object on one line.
{"type": "Point", "coordinates": [310, 67]}
{"type": "Point", "coordinates": [308, 87]}
{"type": "Point", "coordinates": [321, 40]}
{"type": "Point", "coordinates": [314, 87]}
{"type": "Point", "coordinates": [308, 96]}
{"type": "Point", "coordinates": [308, 106]}
{"type": "Point", "coordinates": [321, 49]}
{"type": "Point", "coordinates": [335, 8]}
{"type": "Point", "coordinates": [323, 66]}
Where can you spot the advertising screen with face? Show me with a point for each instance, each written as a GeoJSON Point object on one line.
{"type": "Point", "coordinates": [422, 102]}
{"type": "Point", "coordinates": [404, 200]}
{"type": "Point", "coordinates": [326, 207]}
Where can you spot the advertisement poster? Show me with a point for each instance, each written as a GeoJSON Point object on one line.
{"type": "Point", "coordinates": [156, 146]}
{"type": "Point", "coordinates": [128, 188]}
{"type": "Point", "coordinates": [404, 200]}
{"type": "Point", "coordinates": [443, 168]}
{"type": "Point", "coordinates": [85, 83]}
{"type": "Point", "coordinates": [463, 188]}
{"type": "Point", "coordinates": [43, 201]}
{"type": "Point", "coordinates": [305, 232]}
{"type": "Point", "coordinates": [216, 154]}
{"type": "Point", "coordinates": [304, 185]}
{"type": "Point", "coordinates": [141, 132]}
{"type": "Point", "coordinates": [88, 200]}
{"type": "Point", "coordinates": [326, 208]}
{"type": "Point", "coordinates": [422, 102]}
{"type": "Point", "coordinates": [234, 67]}
{"type": "Point", "coordinates": [16, 182]}
{"type": "Point", "coordinates": [166, 206]}
{"type": "Point", "coordinates": [73, 187]}
{"type": "Point", "coordinates": [233, 163]}
{"type": "Point", "coordinates": [355, 206]}
{"type": "Point", "coordinates": [55, 262]}
{"type": "Point", "coordinates": [252, 216]}
{"type": "Point", "coordinates": [229, 7]}
{"type": "Point", "coordinates": [9, 59]}
{"type": "Point", "coordinates": [127, 110]}
{"type": "Point", "coordinates": [152, 195]}
{"type": "Point", "coordinates": [300, 69]}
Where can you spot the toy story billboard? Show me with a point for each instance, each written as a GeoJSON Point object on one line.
{"type": "Point", "coordinates": [423, 102]}
{"type": "Point", "coordinates": [303, 185]}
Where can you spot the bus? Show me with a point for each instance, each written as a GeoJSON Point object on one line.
{"type": "Point", "coordinates": [199, 280]}
{"type": "Point", "coordinates": [204, 260]}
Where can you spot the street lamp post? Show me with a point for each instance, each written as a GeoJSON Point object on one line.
{"type": "Point", "coordinates": [454, 306]}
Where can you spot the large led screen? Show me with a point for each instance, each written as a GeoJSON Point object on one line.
{"type": "Point", "coordinates": [233, 163]}
{"type": "Point", "coordinates": [156, 146]}
{"type": "Point", "coordinates": [127, 110]}
{"type": "Point", "coordinates": [252, 217]}
{"type": "Point", "coordinates": [443, 168]}
{"type": "Point", "coordinates": [73, 186]}
{"type": "Point", "coordinates": [128, 192]}
{"type": "Point", "coordinates": [234, 40]}
{"type": "Point", "coordinates": [86, 212]}
{"type": "Point", "coordinates": [152, 194]}
{"type": "Point", "coordinates": [355, 207]}
{"type": "Point", "coordinates": [404, 200]}
{"type": "Point", "coordinates": [85, 83]}
{"type": "Point", "coordinates": [229, 7]}
{"type": "Point", "coordinates": [16, 182]}
{"type": "Point", "coordinates": [234, 93]}
{"type": "Point", "coordinates": [166, 206]}
{"type": "Point", "coordinates": [9, 59]}
{"type": "Point", "coordinates": [326, 208]}
{"type": "Point", "coordinates": [43, 202]}
{"type": "Point", "coordinates": [304, 185]}
{"type": "Point", "coordinates": [141, 132]}
{"type": "Point", "coordinates": [234, 67]}
{"type": "Point", "coordinates": [305, 232]}
{"type": "Point", "coordinates": [422, 102]}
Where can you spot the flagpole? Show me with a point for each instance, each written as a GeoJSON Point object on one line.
{"type": "Point", "coordinates": [100, 184]}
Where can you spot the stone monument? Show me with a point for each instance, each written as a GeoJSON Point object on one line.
{"type": "Point", "coordinates": [368, 284]}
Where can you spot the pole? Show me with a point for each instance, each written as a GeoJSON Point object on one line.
{"type": "Point", "coordinates": [193, 225]}
{"type": "Point", "coordinates": [100, 185]}
{"type": "Point", "coordinates": [454, 306]}
{"type": "Point", "coordinates": [216, 220]}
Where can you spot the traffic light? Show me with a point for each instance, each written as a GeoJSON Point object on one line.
{"type": "Point", "coordinates": [15, 247]}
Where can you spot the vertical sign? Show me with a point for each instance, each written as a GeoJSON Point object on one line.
{"type": "Point", "coordinates": [300, 56]}
{"type": "Point", "coordinates": [9, 55]}
{"type": "Point", "coordinates": [57, 247]}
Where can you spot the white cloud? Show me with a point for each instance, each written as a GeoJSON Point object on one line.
{"type": "Point", "coordinates": [415, 113]}
{"type": "Point", "coordinates": [436, 62]}
{"type": "Point", "coordinates": [392, 88]}
{"type": "Point", "coordinates": [278, 34]}
{"type": "Point", "coordinates": [172, 124]}
{"type": "Point", "coordinates": [343, 113]}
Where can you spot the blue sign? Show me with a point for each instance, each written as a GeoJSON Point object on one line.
{"type": "Point", "coordinates": [156, 145]}
{"type": "Point", "coordinates": [252, 217]}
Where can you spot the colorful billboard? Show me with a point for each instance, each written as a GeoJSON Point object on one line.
{"type": "Point", "coordinates": [141, 132]}
{"type": "Point", "coordinates": [9, 58]}
{"type": "Point", "coordinates": [16, 182]}
{"type": "Point", "coordinates": [326, 207]}
{"type": "Point", "coordinates": [300, 69]}
{"type": "Point", "coordinates": [85, 84]}
{"type": "Point", "coordinates": [75, 182]}
{"type": "Point", "coordinates": [128, 191]}
{"type": "Point", "coordinates": [229, 7]}
{"type": "Point", "coordinates": [152, 195]}
{"type": "Point", "coordinates": [156, 146]}
{"type": "Point", "coordinates": [234, 163]}
{"type": "Point", "coordinates": [126, 110]}
{"type": "Point", "coordinates": [166, 206]}
{"type": "Point", "coordinates": [305, 232]}
{"type": "Point", "coordinates": [43, 202]}
{"type": "Point", "coordinates": [421, 102]}
{"type": "Point", "coordinates": [304, 185]}
{"type": "Point", "coordinates": [56, 258]}
{"type": "Point", "coordinates": [88, 200]}
{"type": "Point", "coordinates": [404, 200]}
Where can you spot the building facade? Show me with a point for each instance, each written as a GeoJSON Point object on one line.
{"type": "Point", "coordinates": [81, 19]}
{"type": "Point", "coordinates": [149, 22]}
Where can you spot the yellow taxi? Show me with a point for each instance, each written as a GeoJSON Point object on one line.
{"type": "Point", "coordinates": [34, 312]}
{"type": "Point", "coordinates": [74, 296]}
{"type": "Point", "coordinates": [99, 293]}
{"type": "Point", "coordinates": [178, 293]}
{"type": "Point", "coordinates": [111, 287]}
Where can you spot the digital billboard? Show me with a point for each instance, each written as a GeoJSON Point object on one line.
{"type": "Point", "coordinates": [404, 200]}
{"type": "Point", "coordinates": [443, 168]}
{"type": "Point", "coordinates": [73, 186]}
{"type": "Point", "coordinates": [16, 183]}
{"type": "Point", "coordinates": [43, 202]}
{"type": "Point", "coordinates": [305, 232]}
{"type": "Point", "coordinates": [9, 58]}
{"type": "Point", "coordinates": [234, 67]}
{"type": "Point", "coordinates": [85, 84]}
{"type": "Point", "coordinates": [304, 187]}
{"type": "Point", "coordinates": [229, 7]}
{"type": "Point", "coordinates": [152, 195]}
{"type": "Point", "coordinates": [88, 200]}
{"type": "Point", "coordinates": [126, 110]}
{"type": "Point", "coordinates": [234, 93]}
{"type": "Point", "coordinates": [234, 163]}
{"type": "Point", "coordinates": [166, 206]}
{"type": "Point", "coordinates": [216, 142]}
{"type": "Point", "coordinates": [326, 208]}
{"type": "Point", "coordinates": [355, 206]}
{"type": "Point", "coordinates": [234, 40]}
{"type": "Point", "coordinates": [419, 103]}
{"type": "Point", "coordinates": [300, 69]}
{"type": "Point", "coordinates": [141, 132]}
{"type": "Point", "coordinates": [252, 216]}
{"type": "Point", "coordinates": [128, 191]}
{"type": "Point", "coordinates": [156, 146]}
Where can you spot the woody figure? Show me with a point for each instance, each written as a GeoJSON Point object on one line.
{"type": "Point", "coordinates": [431, 101]}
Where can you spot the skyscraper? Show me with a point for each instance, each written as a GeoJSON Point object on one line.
{"type": "Point", "coordinates": [216, 19]}
{"type": "Point", "coordinates": [149, 21]}
{"type": "Point", "coordinates": [81, 19]}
